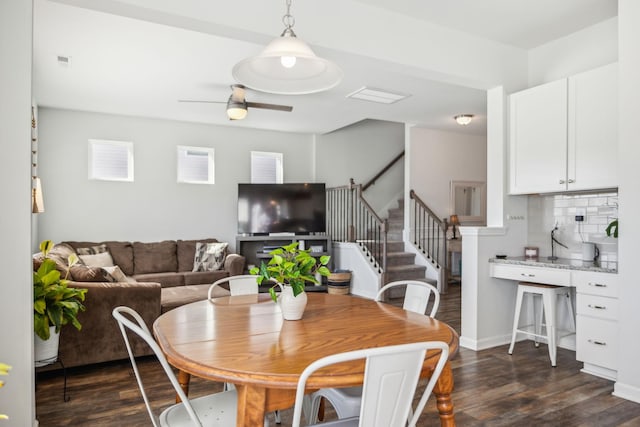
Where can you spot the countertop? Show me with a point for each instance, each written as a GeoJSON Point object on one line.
{"type": "Point", "coordinates": [564, 263]}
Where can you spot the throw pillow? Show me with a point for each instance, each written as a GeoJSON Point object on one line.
{"type": "Point", "coordinates": [209, 256]}
{"type": "Point", "coordinates": [83, 273]}
{"type": "Point", "coordinates": [92, 250]}
{"type": "Point", "coordinates": [97, 260]}
{"type": "Point", "coordinates": [116, 273]}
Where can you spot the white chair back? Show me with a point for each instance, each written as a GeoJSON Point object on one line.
{"type": "Point", "coordinates": [238, 285]}
{"type": "Point", "coordinates": [416, 297]}
{"type": "Point", "coordinates": [390, 380]}
{"type": "Point", "coordinates": [140, 329]}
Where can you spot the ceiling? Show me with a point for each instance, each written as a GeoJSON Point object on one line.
{"type": "Point", "coordinates": [124, 61]}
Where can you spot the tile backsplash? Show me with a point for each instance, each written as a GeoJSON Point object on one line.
{"type": "Point", "coordinates": [598, 209]}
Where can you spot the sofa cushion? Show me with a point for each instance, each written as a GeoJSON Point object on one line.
{"type": "Point", "coordinates": [203, 277]}
{"type": "Point", "coordinates": [209, 256]}
{"type": "Point", "coordinates": [117, 274]}
{"type": "Point", "coordinates": [165, 279]}
{"type": "Point", "coordinates": [186, 250]}
{"type": "Point", "coordinates": [91, 250]}
{"type": "Point", "coordinates": [84, 273]}
{"type": "Point", "coordinates": [121, 252]}
{"type": "Point", "coordinates": [102, 259]}
{"type": "Point", "coordinates": [60, 255]}
{"type": "Point", "coordinates": [176, 297]}
{"type": "Point", "coordinates": [154, 257]}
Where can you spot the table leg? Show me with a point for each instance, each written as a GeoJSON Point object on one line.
{"type": "Point", "coordinates": [442, 391]}
{"type": "Point", "coordinates": [251, 405]}
{"type": "Point", "coordinates": [183, 380]}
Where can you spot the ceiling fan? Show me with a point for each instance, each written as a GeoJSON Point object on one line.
{"type": "Point", "coordinates": [237, 104]}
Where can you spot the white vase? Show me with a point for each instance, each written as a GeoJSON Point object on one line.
{"type": "Point", "coordinates": [292, 307]}
{"type": "Point", "coordinates": [46, 351]}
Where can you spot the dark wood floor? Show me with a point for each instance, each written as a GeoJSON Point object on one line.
{"type": "Point", "coordinates": [492, 389]}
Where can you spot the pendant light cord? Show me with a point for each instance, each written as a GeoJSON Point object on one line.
{"type": "Point", "coordinates": [289, 21]}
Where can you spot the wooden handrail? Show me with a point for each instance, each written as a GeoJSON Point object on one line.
{"type": "Point", "coordinates": [383, 171]}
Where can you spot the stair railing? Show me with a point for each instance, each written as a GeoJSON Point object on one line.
{"type": "Point", "coordinates": [350, 218]}
{"type": "Point", "coordinates": [427, 232]}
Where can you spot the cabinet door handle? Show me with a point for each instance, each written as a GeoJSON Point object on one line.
{"type": "Point", "coordinates": [598, 285]}
{"type": "Point", "coordinates": [597, 307]}
{"type": "Point", "coordinates": [571, 181]}
{"type": "Point", "coordinates": [597, 342]}
{"type": "Point", "coordinates": [527, 274]}
{"type": "Point", "coordinates": [561, 181]}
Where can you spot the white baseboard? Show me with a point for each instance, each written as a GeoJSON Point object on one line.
{"type": "Point", "coordinates": [598, 371]}
{"type": "Point", "coordinates": [485, 343]}
{"type": "Point", "coordinates": [626, 391]}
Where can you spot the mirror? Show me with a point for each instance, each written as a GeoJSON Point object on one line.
{"type": "Point", "coordinates": [468, 200]}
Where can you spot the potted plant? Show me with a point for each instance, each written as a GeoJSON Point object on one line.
{"type": "Point", "coordinates": [4, 370]}
{"type": "Point", "coordinates": [612, 229]}
{"type": "Point", "coordinates": [291, 267]}
{"type": "Point", "coordinates": [54, 305]}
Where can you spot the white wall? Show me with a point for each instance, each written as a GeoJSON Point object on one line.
{"type": "Point", "coordinates": [628, 384]}
{"type": "Point", "coordinates": [439, 157]}
{"type": "Point", "coordinates": [16, 301]}
{"type": "Point", "coordinates": [360, 151]}
{"type": "Point", "coordinates": [154, 207]}
{"type": "Point", "coordinates": [581, 51]}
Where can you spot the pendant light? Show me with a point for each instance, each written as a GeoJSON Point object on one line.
{"type": "Point", "coordinates": [287, 66]}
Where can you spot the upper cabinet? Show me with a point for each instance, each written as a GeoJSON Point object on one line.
{"type": "Point", "coordinates": [564, 134]}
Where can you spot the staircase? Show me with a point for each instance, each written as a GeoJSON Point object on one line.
{"type": "Point", "coordinates": [400, 264]}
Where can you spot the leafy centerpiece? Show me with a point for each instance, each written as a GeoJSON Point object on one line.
{"type": "Point", "coordinates": [291, 267]}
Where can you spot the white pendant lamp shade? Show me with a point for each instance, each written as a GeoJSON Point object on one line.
{"type": "Point", "coordinates": [287, 66]}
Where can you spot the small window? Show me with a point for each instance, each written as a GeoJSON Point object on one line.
{"type": "Point", "coordinates": [110, 160]}
{"type": "Point", "coordinates": [266, 168]}
{"type": "Point", "coordinates": [195, 165]}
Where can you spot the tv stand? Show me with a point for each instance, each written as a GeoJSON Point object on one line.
{"type": "Point", "coordinates": [256, 248]}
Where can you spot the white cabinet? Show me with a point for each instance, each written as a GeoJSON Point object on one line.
{"type": "Point", "coordinates": [538, 139]}
{"type": "Point", "coordinates": [592, 160]}
{"type": "Point", "coordinates": [563, 134]}
{"type": "Point", "coordinates": [597, 322]}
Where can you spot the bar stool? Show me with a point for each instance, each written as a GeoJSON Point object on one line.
{"type": "Point", "coordinates": [549, 294]}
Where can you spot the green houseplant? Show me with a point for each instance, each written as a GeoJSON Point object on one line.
{"type": "Point", "coordinates": [54, 303]}
{"type": "Point", "coordinates": [291, 267]}
{"type": "Point", "coordinates": [612, 229]}
{"type": "Point", "coordinates": [4, 370]}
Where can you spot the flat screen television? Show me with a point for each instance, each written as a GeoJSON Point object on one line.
{"type": "Point", "coordinates": [298, 208]}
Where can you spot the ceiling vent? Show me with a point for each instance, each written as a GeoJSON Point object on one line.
{"type": "Point", "coordinates": [64, 61]}
{"type": "Point", "coordinates": [377, 95]}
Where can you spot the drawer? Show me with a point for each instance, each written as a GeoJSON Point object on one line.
{"type": "Point", "coordinates": [549, 276]}
{"type": "Point", "coordinates": [597, 306]}
{"type": "Point", "coordinates": [597, 341]}
{"type": "Point", "coordinates": [604, 284]}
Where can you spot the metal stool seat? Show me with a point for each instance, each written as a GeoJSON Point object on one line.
{"type": "Point", "coordinates": [549, 294]}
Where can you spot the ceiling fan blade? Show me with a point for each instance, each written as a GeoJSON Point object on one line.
{"type": "Point", "coordinates": [202, 101]}
{"type": "Point", "coordinates": [269, 106]}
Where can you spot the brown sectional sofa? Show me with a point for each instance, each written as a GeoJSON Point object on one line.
{"type": "Point", "coordinates": [159, 278]}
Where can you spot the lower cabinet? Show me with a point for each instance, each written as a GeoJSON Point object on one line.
{"type": "Point", "coordinates": [596, 310]}
{"type": "Point", "coordinates": [597, 323]}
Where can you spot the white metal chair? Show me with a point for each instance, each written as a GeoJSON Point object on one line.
{"type": "Point", "coordinates": [390, 379]}
{"type": "Point", "coordinates": [346, 401]}
{"type": "Point", "coordinates": [238, 285]}
{"type": "Point", "coordinates": [241, 285]}
{"type": "Point", "coordinates": [217, 409]}
{"type": "Point", "coordinates": [416, 295]}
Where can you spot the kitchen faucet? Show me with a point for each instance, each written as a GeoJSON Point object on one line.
{"type": "Point", "coordinates": [554, 240]}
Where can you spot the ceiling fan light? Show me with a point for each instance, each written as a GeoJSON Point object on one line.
{"type": "Point", "coordinates": [236, 113]}
{"type": "Point", "coordinates": [463, 119]}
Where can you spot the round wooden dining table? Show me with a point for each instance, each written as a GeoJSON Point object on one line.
{"type": "Point", "coordinates": [244, 340]}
